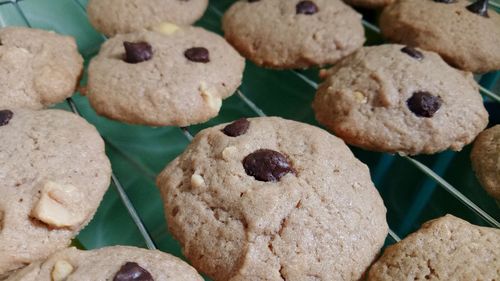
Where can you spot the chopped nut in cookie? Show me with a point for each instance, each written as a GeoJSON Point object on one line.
{"type": "Point", "coordinates": [228, 152]}
{"type": "Point", "coordinates": [197, 181]}
{"type": "Point", "coordinates": [62, 269]}
{"type": "Point", "coordinates": [166, 28]}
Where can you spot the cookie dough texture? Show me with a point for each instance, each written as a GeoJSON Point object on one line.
{"type": "Point", "coordinates": [486, 160]}
{"type": "Point", "coordinates": [123, 16]}
{"type": "Point", "coordinates": [325, 221]}
{"type": "Point", "coordinates": [168, 89]}
{"type": "Point", "coordinates": [369, 3]}
{"type": "Point", "coordinates": [271, 33]}
{"type": "Point", "coordinates": [54, 173]}
{"type": "Point", "coordinates": [37, 67]}
{"type": "Point", "coordinates": [363, 100]}
{"type": "Point", "coordinates": [103, 264]}
{"type": "Point", "coordinates": [464, 39]}
{"type": "Point", "coordinates": [447, 248]}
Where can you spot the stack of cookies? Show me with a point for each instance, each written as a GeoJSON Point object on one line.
{"type": "Point", "coordinates": [259, 198]}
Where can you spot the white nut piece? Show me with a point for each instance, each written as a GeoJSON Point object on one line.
{"type": "Point", "coordinates": [197, 181]}
{"type": "Point", "coordinates": [166, 28]}
{"type": "Point", "coordinates": [213, 101]}
{"type": "Point", "coordinates": [60, 205]}
{"type": "Point", "coordinates": [62, 269]}
{"type": "Point", "coordinates": [228, 152]}
{"type": "Point", "coordinates": [360, 97]}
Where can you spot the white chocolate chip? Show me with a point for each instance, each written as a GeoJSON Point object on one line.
{"type": "Point", "coordinates": [212, 101]}
{"type": "Point", "coordinates": [360, 97]}
{"type": "Point", "coordinates": [197, 181]}
{"type": "Point", "coordinates": [62, 269]}
{"type": "Point", "coordinates": [166, 28]}
{"type": "Point", "coordinates": [60, 205]}
{"type": "Point", "coordinates": [228, 152]}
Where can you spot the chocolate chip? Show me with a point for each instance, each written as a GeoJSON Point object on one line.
{"type": "Point", "coordinates": [412, 52]}
{"type": "Point", "coordinates": [267, 165]}
{"type": "Point", "coordinates": [237, 128]}
{"type": "Point", "coordinates": [479, 7]}
{"type": "Point", "coordinates": [137, 52]}
{"type": "Point", "coordinates": [197, 54]}
{"type": "Point", "coordinates": [5, 116]}
{"type": "Point", "coordinates": [306, 8]}
{"type": "Point", "coordinates": [251, 1]}
{"type": "Point", "coordinates": [131, 271]}
{"type": "Point", "coordinates": [445, 1]}
{"type": "Point", "coordinates": [424, 104]}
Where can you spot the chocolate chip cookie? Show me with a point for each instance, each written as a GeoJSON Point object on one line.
{"type": "Point", "coordinates": [465, 34]}
{"type": "Point", "coordinates": [293, 34]}
{"type": "Point", "coordinates": [486, 160]}
{"type": "Point", "coordinates": [118, 263]}
{"type": "Point", "coordinates": [123, 16]}
{"type": "Point", "coordinates": [447, 248]}
{"type": "Point", "coordinates": [37, 67]}
{"type": "Point", "coordinates": [369, 3]}
{"type": "Point", "coordinates": [272, 199]}
{"type": "Point", "coordinates": [168, 76]}
{"type": "Point", "coordinates": [54, 172]}
{"type": "Point", "coordinates": [399, 99]}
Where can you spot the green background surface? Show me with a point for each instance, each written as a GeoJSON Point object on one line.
{"type": "Point", "coordinates": [139, 153]}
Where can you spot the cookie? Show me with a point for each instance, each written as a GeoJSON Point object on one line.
{"type": "Point", "coordinates": [54, 173]}
{"type": "Point", "coordinates": [369, 3]}
{"type": "Point", "coordinates": [398, 99]}
{"type": "Point", "coordinates": [485, 158]}
{"type": "Point", "coordinates": [175, 76]}
{"type": "Point", "coordinates": [447, 248]}
{"type": "Point", "coordinates": [293, 34]}
{"type": "Point", "coordinates": [37, 68]}
{"type": "Point", "coordinates": [123, 16]}
{"type": "Point", "coordinates": [272, 199]}
{"type": "Point", "coordinates": [118, 263]}
{"type": "Point", "coordinates": [465, 34]}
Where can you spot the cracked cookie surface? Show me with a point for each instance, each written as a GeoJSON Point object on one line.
{"type": "Point", "coordinates": [54, 173]}
{"type": "Point", "coordinates": [110, 263]}
{"type": "Point", "coordinates": [485, 158]}
{"type": "Point", "coordinates": [447, 248]}
{"type": "Point", "coordinates": [293, 34]}
{"type": "Point", "coordinates": [177, 76]}
{"type": "Point", "coordinates": [37, 67]}
{"type": "Point", "coordinates": [399, 99]}
{"type": "Point", "coordinates": [273, 200]}
{"type": "Point", "coordinates": [123, 16]}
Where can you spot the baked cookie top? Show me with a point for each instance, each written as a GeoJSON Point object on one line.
{"type": "Point", "coordinates": [118, 263]}
{"type": "Point", "coordinates": [461, 32]}
{"type": "Point", "coordinates": [369, 3]}
{"type": "Point", "coordinates": [37, 67]}
{"type": "Point", "coordinates": [123, 16]}
{"type": "Point", "coordinates": [399, 99]}
{"type": "Point", "coordinates": [173, 76]}
{"type": "Point", "coordinates": [54, 173]}
{"type": "Point", "coordinates": [272, 199]}
{"type": "Point", "coordinates": [447, 248]}
{"type": "Point", "coordinates": [486, 160]}
{"type": "Point", "coordinates": [293, 34]}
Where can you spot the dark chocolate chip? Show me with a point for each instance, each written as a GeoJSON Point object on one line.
{"type": "Point", "coordinates": [137, 52]}
{"type": "Point", "coordinates": [131, 271]}
{"type": "Point", "coordinates": [237, 128]}
{"type": "Point", "coordinates": [445, 1]}
{"type": "Point", "coordinates": [197, 54]}
{"type": "Point", "coordinates": [267, 165]}
{"type": "Point", "coordinates": [479, 7]}
{"type": "Point", "coordinates": [251, 1]}
{"type": "Point", "coordinates": [5, 116]}
{"type": "Point", "coordinates": [306, 8]}
{"type": "Point", "coordinates": [412, 52]}
{"type": "Point", "coordinates": [424, 104]}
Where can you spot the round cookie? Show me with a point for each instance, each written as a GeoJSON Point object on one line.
{"type": "Point", "coordinates": [123, 16]}
{"type": "Point", "coordinates": [447, 248]}
{"type": "Point", "coordinates": [272, 199]}
{"type": "Point", "coordinates": [118, 263]}
{"type": "Point", "coordinates": [293, 34]}
{"type": "Point", "coordinates": [37, 67]}
{"type": "Point", "coordinates": [174, 76]}
{"type": "Point", "coordinates": [485, 158]}
{"type": "Point", "coordinates": [463, 34]}
{"type": "Point", "coordinates": [54, 173]}
{"type": "Point", "coordinates": [399, 99]}
{"type": "Point", "coordinates": [369, 3]}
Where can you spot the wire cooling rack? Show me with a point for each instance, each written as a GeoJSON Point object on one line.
{"type": "Point", "coordinates": [415, 189]}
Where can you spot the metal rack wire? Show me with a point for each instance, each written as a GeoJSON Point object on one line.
{"type": "Point", "coordinates": [420, 166]}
